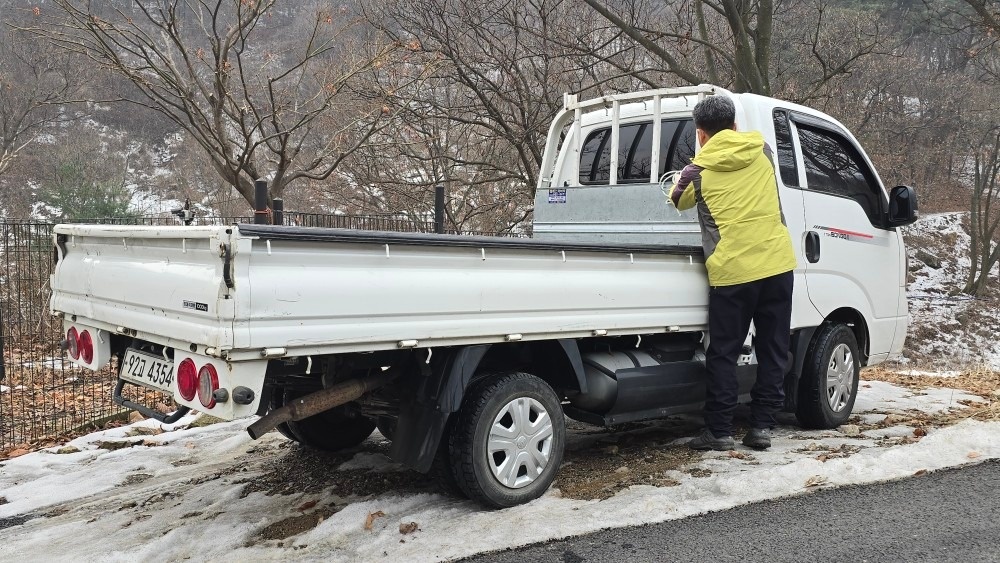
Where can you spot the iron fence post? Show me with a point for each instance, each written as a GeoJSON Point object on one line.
{"type": "Point", "coordinates": [260, 203]}
{"type": "Point", "coordinates": [439, 209]}
{"type": "Point", "coordinates": [279, 211]}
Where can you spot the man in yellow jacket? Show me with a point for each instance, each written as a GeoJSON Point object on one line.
{"type": "Point", "coordinates": [749, 258]}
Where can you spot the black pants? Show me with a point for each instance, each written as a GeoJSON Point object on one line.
{"type": "Point", "coordinates": [768, 302]}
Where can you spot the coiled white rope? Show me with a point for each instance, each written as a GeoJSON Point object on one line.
{"type": "Point", "coordinates": [667, 181]}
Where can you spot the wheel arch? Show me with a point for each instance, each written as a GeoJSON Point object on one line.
{"type": "Point", "coordinates": [557, 362]}
{"type": "Point", "coordinates": [423, 420]}
{"type": "Point", "coordinates": [858, 325]}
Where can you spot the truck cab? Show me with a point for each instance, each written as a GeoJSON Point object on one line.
{"type": "Point", "coordinates": [605, 182]}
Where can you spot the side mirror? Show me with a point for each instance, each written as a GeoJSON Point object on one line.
{"type": "Point", "coordinates": [902, 206]}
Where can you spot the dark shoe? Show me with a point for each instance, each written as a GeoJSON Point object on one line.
{"type": "Point", "coordinates": [758, 438]}
{"type": "Point", "coordinates": [707, 441]}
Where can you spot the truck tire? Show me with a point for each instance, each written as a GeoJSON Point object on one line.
{"type": "Point", "coordinates": [507, 441]}
{"type": "Point", "coordinates": [829, 384]}
{"type": "Point", "coordinates": [331, 431]}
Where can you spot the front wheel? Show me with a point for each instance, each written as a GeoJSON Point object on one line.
{"type": "Point", "coordinates": [829, 384]}
{"type": "Point", "coordinates": [507, 442]}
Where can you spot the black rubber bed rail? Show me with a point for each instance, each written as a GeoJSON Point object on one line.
{"type": "Point", "coordinates": [319, 234]}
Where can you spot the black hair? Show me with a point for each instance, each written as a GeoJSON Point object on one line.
{"type": "Point", "coordinates": [714, 113]}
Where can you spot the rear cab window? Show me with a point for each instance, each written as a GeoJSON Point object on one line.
{"type": "Point", "coordinates": [635, 149]}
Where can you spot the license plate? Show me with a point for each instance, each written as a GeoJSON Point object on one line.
{"type": "Point", "coordinates": [147, 370]}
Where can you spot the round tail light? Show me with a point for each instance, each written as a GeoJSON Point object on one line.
{"type": "Point", "coordinates": [73, 343]}
{"type": "Point", "coordinates": [208, 382]}
{"type": "Point", "coordinates": [85, 344]}
{"type": "Point", "coordinates": [187, 379]}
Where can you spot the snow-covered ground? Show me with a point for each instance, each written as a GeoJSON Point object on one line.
{"type": "Point", "coordinates": [212, 493]}
{"type": "Point", "coordinates": [948, 329]}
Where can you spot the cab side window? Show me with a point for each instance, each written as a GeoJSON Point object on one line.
{"type": "Point", "coordinates": [635, 151]}
{"type": "Point", "coordinates": [833, 166]}
{"type": "Point", "coordinates": [785, 151]}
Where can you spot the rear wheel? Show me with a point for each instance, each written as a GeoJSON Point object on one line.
{"type": "Point", "coordinates": [332, 430]}
{"type": "Point", "coordinates": [507, 441]}
{"type": "Point", "coordinates": [829, 384]}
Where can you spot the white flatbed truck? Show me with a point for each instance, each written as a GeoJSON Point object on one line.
{"type": "Point", "coordinates": [467, 352]}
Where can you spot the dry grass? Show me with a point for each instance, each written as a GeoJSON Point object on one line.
{"type": "Point", "coordinates": [978, 380]}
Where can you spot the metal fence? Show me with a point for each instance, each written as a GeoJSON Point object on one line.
{"type": "Point", "coordinates": [41, 393]}
{"type": "Point", "coordinates": [362, 222]}
{"type": "Point", "coordinates": [44, 395]}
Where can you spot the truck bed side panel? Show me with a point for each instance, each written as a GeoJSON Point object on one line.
{"type": "Point", "coordinates": [357, 295]}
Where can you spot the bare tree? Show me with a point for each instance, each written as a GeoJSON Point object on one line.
{"type": "Point", "coordinates": [988, 14]}
{"type": "Point", "coordinates": [736, 44]}
{"type": "Point", "coordinates": [433, 148]}
{"type": "Point", "coordinates": [258, 105]}
{"type": "Point", "coordinates": [984, 216]}
{"type": "Point", "coordinates": [744, 46]}
{"type": "Point", "coordinates": [478, 122]}
{"type": "Point", "coordinates": [34, 81]}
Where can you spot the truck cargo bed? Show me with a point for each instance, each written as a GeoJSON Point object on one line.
{"type": "Point", "coordinates": [299, 291]}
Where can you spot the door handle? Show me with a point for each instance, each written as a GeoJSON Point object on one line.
{"type": "Point", "coordinates": [812, 247]}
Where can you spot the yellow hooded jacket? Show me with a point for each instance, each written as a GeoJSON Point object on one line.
{"type": "Point", "coordinates": [742, 227]}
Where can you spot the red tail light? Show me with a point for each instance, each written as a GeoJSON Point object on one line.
{"type": "Point", "coordinates": [73, 343]}
{"type": "Point", "coordinates": [208, 382]}
{"type": "Point", "coordinates": [85, 345]}
{"type": "Point", "coordinates": [187, 379]}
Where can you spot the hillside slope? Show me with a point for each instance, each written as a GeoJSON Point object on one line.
{"type": "Point", "coordinates": [948, 330]}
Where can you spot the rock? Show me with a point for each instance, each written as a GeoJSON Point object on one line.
{"type": "Point", "coordinates": [68, 450]}
{"type": "Point", "coordinates": [929, 259]}
{"type": "Point", "coordinates": [850, 430]}
{"type": "Point", "coordinates": [623, 469]}
{"type": "Point", "coordinates": [144, 431]}
{"type": "Point", "coordinates": [204, 420]}
{"type": "Point", "coordinates": [114, 445]}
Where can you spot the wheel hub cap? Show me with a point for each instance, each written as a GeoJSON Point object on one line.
{"type": "Point", "coordinates": [520, 442]}
{"type": "Point", "coordinates": [840, 378]}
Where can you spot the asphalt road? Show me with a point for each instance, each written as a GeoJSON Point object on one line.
{"type": "Point", "coordinates": [950, 515]}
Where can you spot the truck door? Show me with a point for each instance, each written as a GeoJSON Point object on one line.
{"type": "Point", "coordinates": [851, 256]}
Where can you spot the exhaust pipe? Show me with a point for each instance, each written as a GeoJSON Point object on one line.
{"type": "Point", "coordinates": [320, 401]}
